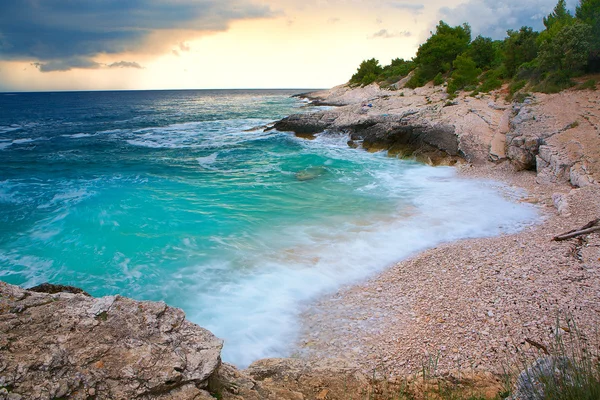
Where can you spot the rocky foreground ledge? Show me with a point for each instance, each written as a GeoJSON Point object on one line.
{"type": "Point", "coordinates": [59, 343]}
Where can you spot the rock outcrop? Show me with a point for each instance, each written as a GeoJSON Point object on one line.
{"type": "Point", "coordinates": [67, 345]}
{"type": "Point", "coordinates": [555, 135]}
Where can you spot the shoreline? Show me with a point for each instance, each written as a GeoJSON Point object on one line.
{"type": "Point", "coordinates": [468, 304]}
{"type": "Point", "coordinates": [462, 307]}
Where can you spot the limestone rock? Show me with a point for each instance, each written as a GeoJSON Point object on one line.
{"type": "Point", "coordinates": [70, 345]}
{"type": "Point", "coordinates": [531, 382]}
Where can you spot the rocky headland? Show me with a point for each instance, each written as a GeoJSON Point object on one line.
{"type": "Point", "coordinates": [462, 309]}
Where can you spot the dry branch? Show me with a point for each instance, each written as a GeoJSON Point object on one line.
{"type": "Point", "coordinates": [590, 227]}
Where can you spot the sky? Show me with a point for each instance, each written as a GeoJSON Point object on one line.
{"type": "Point", "coordinates": [48, 45]}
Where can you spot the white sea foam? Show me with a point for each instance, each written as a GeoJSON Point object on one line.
{"type": "Point", "coordinates": [198, 135]}
{"type": "Point", "coordinates": [70, 196]}
{"type": "Point", "coordinates": [256, 310]}
{"type": "Point", "coordinates": [78, 135]}
{"type": "Point", "coordinates": [11, 128]}
{"type": "Point", "coordinates": [208, 160]}
{"type": "Point", "coordinates": [23, 141]}
{"type": "Point", "coordinates": [5, 144]}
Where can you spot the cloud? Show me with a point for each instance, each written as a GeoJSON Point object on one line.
{"type": "Point", "coordinates": [67, 64]}
{"type": "Point", "coordinates": [414, 8]}
{"type": "Point", "coordinates": [333, 20]}
{"type": "Point", "coordinates": [125, 64]}
{"type": "Point", "coordinates": [65, 34]}
{"type": "Point", "coordinates": [81, 63]}
{"type": "Point", "coordinates": [385, 34]}
{"type": "Point", "coordinates": [494, 17]}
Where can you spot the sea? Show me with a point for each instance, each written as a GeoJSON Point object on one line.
{"type": "Point", "coordinates": [181, 197]}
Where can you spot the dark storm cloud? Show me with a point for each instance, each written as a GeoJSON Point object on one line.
{"type": "Point", "coordinates": [125, 64]}
{"type": "Point", "coordinates": [64, 34]}
{"type": "Point", "coordinates": [494, 17]}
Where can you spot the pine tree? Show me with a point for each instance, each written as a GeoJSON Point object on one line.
{"type": "Point", "coordinates": [560, 14]}
{"type": "Point", "coordinates": [588, 11]}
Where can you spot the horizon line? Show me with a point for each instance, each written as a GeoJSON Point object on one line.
{"type": "Point", "coordinates": [150, 90]}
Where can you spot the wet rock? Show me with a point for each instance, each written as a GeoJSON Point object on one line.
{"type": "Point", "coordinates": [310, 173]}
{"type": "Point", "coordinates": [53, 289]}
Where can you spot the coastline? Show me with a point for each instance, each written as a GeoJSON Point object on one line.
{"type": "Point", "coordinates": [465, 306]}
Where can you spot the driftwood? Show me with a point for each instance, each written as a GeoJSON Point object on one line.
{"type": "Point", "coordinates": [538, 346]}
{"type": "Point", "coordinates": [592, 226]}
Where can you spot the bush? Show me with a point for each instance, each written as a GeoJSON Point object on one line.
{"type": "Point", "coordinates": [589, 84]}
{"type": "Point", "coordinates": [416, 80]}
{"type": "Point", "coordinates": [568, 51]}
{"type": "Point", "coordinates": [514, 87]}
{"type": "Point", "coordinates": [438, 80]}
{"type": "Point", "coordinates": [396, 70]}
{"type": "Point", "coordinates": [490, 80]}
{"type": "Point", "coordinates": [367, 73]}
{"type": "Point", "coordinates": [529, 71]}
{"type": "Point", "coordinates": [555, 82]}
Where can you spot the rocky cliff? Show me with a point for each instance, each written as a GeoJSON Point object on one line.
{"type": "Point", "coordinates": [557, 135]}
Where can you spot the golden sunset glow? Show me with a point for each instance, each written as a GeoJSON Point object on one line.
{"type": "Point", "coordinates": [307, 44]}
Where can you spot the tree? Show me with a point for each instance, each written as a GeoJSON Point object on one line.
{"type": "Point", "coordinates": [588, 12]}
{"type": "Point", "coordinates": [555, 22]}
{"type": "Point", "coordinates": [439, 51]}
{"type": "Point", "coordinates": [367, 73]}
{"type": "Point", "coordinates": [519, 47]}
{"type": "Point", "coordinates": [559, 15]}
{"type": "Point", "coordinates": [568, 51]}
{"type": "Point", "coordinates": [482, 51]}
{"type": "Point", "coordinates": [465, 73]}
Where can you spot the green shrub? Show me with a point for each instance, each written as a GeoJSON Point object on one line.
{"type": "Point", "coordinates": [515, 86]}
{"type": "Point", "coordinates": [367, 72]}
{"type": "Point", "coordinates": [482, 51]}
{"type": "Point", "coordinates": [396, 70]}
{"type": "Point", "coordinates": [555, 82]}
{"type": "Point", "coordinates": [490, 81]}
{"type": "Point", "coordinates": [438, 80]}
{"type": "Point", "coordinates": [589, 84]}
{"type": "Point", "coordinates": [416, 80]}
{"type": "Point", "coordinates": [465, 74]}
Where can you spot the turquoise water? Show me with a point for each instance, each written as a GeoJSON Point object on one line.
{"type": "Point", "coordinates": [173, 196]}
